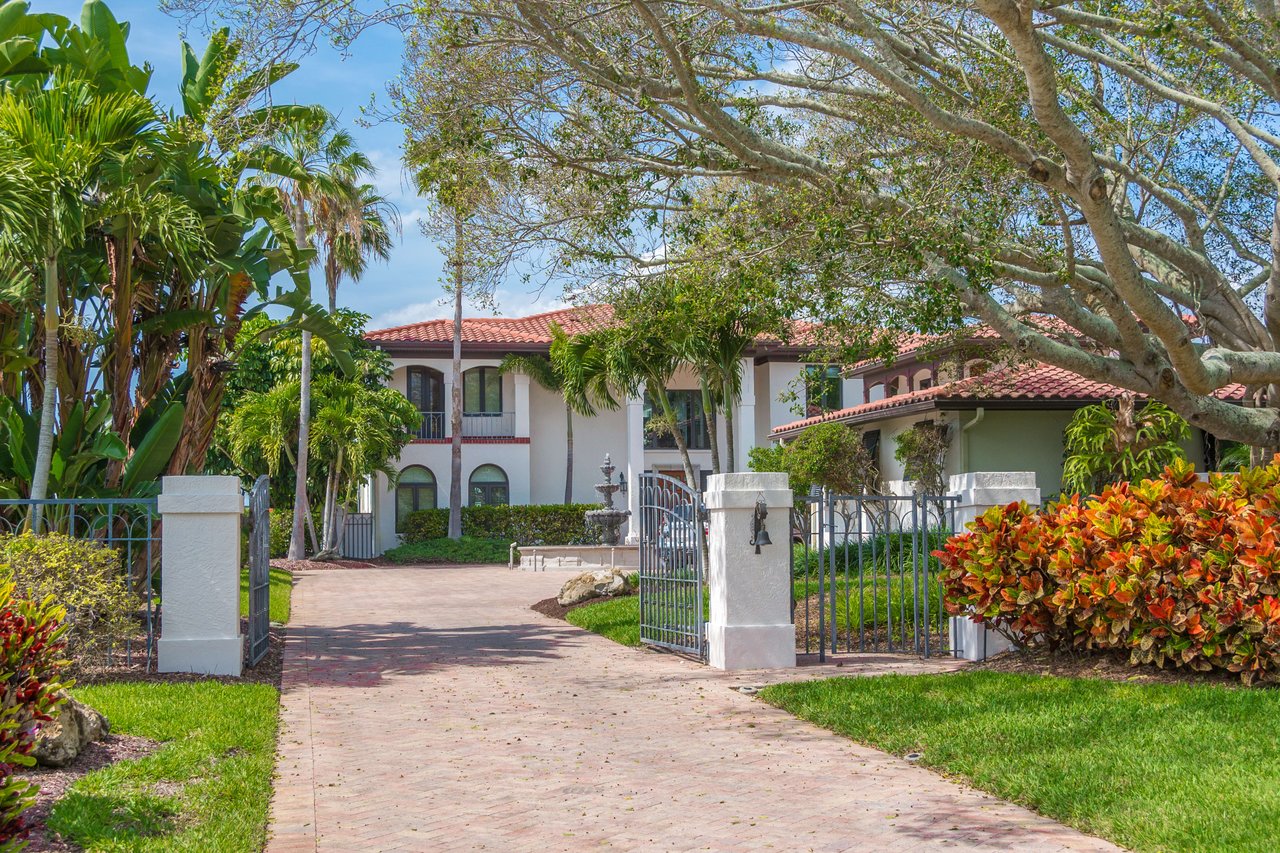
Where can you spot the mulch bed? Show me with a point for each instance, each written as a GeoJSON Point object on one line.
{"type": "Point", "coordinates": [54, 782]}
{"type": "Point", "coordinates": [1105, 665]}
{"type": "Point", "coordinates": [553, 608]}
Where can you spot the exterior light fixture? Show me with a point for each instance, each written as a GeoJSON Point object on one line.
{"type": "Point", "coordinates": [622, 483]}
{"type": "Point", "coordinates": [759, 535]}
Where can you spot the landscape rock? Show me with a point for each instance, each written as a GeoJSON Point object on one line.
{"type": "Point", "coordinates": [61, 739]}
{"type": "Point", "coordinates": [590, 585]}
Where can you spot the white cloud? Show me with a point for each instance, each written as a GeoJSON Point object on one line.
{"type": "Point", "coordinates": [509, 303]}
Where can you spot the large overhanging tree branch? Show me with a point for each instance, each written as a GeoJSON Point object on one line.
{"type": "Point", "coordinates": [1112, 164]}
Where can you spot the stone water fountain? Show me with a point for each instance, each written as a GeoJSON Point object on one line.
{"type": "Point", "coordinates": [607, 518]}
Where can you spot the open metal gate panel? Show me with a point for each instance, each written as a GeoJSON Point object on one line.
{"type": "Point", "coordinates": [259, 570]}
{"type": "Point", "coordinates": [864, 564]}
{"type": "Point", "coordinates": [671, 565]}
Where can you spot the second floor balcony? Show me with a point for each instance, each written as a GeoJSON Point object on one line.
{"type": "Point", "coordinates": [435, 426]}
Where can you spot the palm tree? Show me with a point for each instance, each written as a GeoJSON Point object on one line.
{"type": "Point", "coordinates": [313, 163]}
{"type": "Point", "coordinates": [548, 375]}
{"type": "Point", "coordinates": [352, 226]}
{"type": "Point", "coordinates": [57, 140]}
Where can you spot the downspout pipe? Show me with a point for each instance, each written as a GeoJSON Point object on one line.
{"type": "Point", "coordinates": [964, 438]}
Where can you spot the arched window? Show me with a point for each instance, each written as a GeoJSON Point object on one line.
{"type": "Point", "coordinates": [489, 486]}
{"type": "Point", "coordinates": [875, 392]}
{"type": "Point", "coordinates": [482, 391]}
{"type": "Point", "coordinates": [976, 367]}
{"type": "Point", "coordinates": [415, 490]}
{"type": "Point", "coordinates": [922, 380]}
{"type": "Point", "coordinates": [897, 385]}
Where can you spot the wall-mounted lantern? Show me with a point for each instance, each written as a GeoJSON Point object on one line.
{"type": "Point", "coordinates": [759, 535]}
{"type": "Point", "coordinates": [622, 483]}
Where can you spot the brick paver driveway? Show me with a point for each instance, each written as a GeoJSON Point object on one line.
{"type": "Point", "coordinates": [430, 709]}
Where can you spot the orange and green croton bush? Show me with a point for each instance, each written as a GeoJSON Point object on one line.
{"type": "Point", "coordinates": [1174, 570]}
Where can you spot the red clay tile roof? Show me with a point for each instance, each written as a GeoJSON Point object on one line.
{"type": "Point", "coordinates": [1043, 382]}
{"type": "Point", "coordinates": [535, 329]}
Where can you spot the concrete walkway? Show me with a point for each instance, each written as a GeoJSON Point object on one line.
{"type": "Point", "coordinates": [429, 709]}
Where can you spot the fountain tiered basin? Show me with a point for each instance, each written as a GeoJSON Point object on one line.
{"type": "Point", "coordinates": [610, 553]}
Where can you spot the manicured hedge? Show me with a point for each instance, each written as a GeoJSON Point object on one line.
{"type": "Point", "coordinates": [1174, 570]}
{"type": "Point", "coordinates": [538, 524]}
{"type": "Point", "coordinates": [468, 549]}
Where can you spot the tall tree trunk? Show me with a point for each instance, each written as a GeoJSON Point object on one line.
{"type": "Point", "coordinates": [709, 415]}
{"type": "Point", "coordinates": [568, 455]}
{"type": "Point", "coordinates": [455, 426]}
{"type": "Point", "coordinates": [331, 488]}
{"type": "Point", "coordinates": [49, 400]}
{"type": "Point", "coordinates": [297, 546]}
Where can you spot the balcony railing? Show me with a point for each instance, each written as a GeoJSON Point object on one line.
{"type": "Point", "coordinates": [434, 426]}
{"type": "Point", "coordinates": [488, 424]}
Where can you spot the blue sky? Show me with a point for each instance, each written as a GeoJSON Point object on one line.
{"type": "Point", "coordinates": [408, 288]}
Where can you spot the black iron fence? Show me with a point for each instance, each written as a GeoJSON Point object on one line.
{"type": "Point", "coordinates": [862, 575]}
{"type": "Point", "coordinates": [129, 526]}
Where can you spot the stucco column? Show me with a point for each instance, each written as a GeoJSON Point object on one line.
{"type": "Point", "coordinates": [746, 415]}
{"type": "Point", "coordinates": [200, 575]}
{"type": "Point", "coordinates": [635, 462]}
{"type": "Point", "coordinates": [978, 492]}
{"type": "Point", "coordinates": [522, 405]}
{"type": "Point", "coordinates": [750, 594]}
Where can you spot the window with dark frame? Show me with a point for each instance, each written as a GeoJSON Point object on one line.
{"type": "Point", "coordinates": [482, 391]}
{"type": "Point", "coordinates": [425, 389]}
{"type": "Point", "coordinates": [489, 487]}
{"type": "Point", "coordinates": [415, 490]}
{"type": "Point", "coordinates": [824, 389]}
{"type": "Point", "coordinates": [690, 420]}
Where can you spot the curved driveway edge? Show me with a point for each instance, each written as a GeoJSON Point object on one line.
{"type": "Point", "coordinates": [429, 709]}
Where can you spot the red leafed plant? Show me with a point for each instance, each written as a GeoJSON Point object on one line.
{"type": "Point", "coordinates": [31, 658]}
{"type": "Point", "coordinates": [1175, 570]}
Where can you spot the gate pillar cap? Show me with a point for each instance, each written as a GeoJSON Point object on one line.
{"type": "Point", "coordinates": [740, 491]}
{"type": "Point", "coordinates": [200, 494]}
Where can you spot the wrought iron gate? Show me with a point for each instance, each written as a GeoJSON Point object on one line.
{"type": "Point", "coordinates": [259, 569]}
{"type": "Point", "coordinates": [357, 536]}
{"type": "Point", "coordinates": [862, 576]}
{"type": "Point", "coordinates": [671, 565]}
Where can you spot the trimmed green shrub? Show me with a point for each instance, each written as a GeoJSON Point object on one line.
{"type": "Point", "coordinates": [86, 578]}
{"type": "Point", "coordinates": [31, 658]}
{"type": "Point", "coordinates": [468, 549]}
{"type": "Point", "coordinates": [1174, 570]}
{"type": "Point", "coordinates": [537, 524]}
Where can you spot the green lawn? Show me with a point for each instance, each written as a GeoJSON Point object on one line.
{"type": "Point", "coordinates": [1150, 766]}
{"type": "Point", "coordinates": [615, 618]}
{"type": "Point", "coordinates": [281, 593]}
{"type": "Point", "coordinates": [205, 789]}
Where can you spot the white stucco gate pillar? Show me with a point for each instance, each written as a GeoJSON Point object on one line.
{"type": "Point", "coordinates": [978, 492]}
{"type": "Point", "coordinates": [200, 575]}
{"type": "Point", "coordinates": [750, 601]}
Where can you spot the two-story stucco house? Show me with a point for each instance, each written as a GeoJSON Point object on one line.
{"type": "Point", "coordinates": [514, 446]}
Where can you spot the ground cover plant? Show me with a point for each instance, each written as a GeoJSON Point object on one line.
{"type": "Point", "coordinates": [206, 788]}
{"type": "Point", "coordinates": [467, 550]}
{"type": "Point", "coordinates": [280, 592]}
{"type": "Point", "coordinates": [1150, 766]}
{"type": "Point", "coordinates": [1176, 571]}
